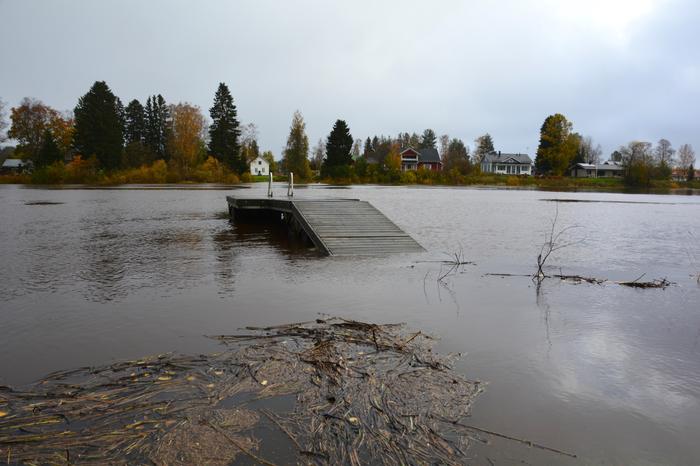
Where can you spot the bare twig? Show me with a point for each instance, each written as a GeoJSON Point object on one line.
{"type": "Point", "coordinates": [516, 439]}
{"type": "Point", "coordinates": [552, 243]}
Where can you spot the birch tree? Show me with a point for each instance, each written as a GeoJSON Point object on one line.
{"type": "Point", "coordinates": [186, 138]}
{"type": "Point", "coordinates": [664, 152]}
{"type": "Point", "coordinates": [686, 156]}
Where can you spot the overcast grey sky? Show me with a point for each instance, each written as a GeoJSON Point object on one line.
{"type": "Point", "coordinates": [618, 69]}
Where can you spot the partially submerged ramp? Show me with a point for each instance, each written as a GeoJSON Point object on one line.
{"type": "Point", "coordinates": [337, 227]}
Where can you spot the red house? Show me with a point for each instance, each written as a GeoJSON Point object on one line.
{"type": "Point", "coordinates": [412, 159]}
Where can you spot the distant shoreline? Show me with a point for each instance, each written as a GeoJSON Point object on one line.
{"type": "Point", "coordinates": [478, 182]}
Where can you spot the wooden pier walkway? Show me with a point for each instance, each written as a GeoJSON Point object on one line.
{"type": "Point", "coordinates": [337, 227]}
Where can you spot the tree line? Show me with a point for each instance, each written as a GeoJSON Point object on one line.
{"type": "Point", "coordinates": [378, 158]}
{"type": "Point", "coordinates": [111, 136]}
{"type": "Point", "coordinates": [100, 129]}
{"type": "Point", "coordinates": [561, 148]}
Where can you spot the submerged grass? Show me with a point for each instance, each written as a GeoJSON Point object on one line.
{"type": "Point", "coordinates": [364, 393]}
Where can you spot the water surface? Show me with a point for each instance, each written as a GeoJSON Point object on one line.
{"type": "Point", "coordinates": [89, 276]}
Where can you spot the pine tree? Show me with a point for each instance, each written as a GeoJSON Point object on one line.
{"type": "Point", "coordinates": [224, 130]}
{"type": "Point", "coordinates": [135, 122]}
{"type": "Point", "coordinates": [456, 157]}
{"type": "Point", "coordinates": [428, 140]}
{"type": "Point", "coordinates": [136, 152]}
{"type": "Point", "coordinates": [338, 148]}
{"type": "Point", "coordinates": [49, 152]}
{"type": "Point", "coordinates": [157, 126]}
{"type": "Point", "coordinates": [368, 148]}
{"type": "Point", "coordinates": [99, 126]}
{"type": "Point", "coordinates": [691, 172]}
{"type": "Point", "coordinates": [297, 151]}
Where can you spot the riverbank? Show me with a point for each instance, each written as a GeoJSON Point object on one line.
{"type": "Point", "coordinates": [161, 175]}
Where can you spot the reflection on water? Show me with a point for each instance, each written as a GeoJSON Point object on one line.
{"type": "Point", "coordinates": [613, 374]}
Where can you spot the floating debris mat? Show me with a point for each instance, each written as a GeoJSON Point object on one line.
{"type": "Point", "coordinates": [362, 394]}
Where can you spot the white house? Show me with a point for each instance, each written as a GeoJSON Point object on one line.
{"type": "Point", "coordinates": [507, 164]}
{"type": "Point", "coordinates": [259, 167]}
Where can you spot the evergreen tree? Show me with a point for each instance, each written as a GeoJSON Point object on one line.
{"type": "Point", "coordinates": [224, 130]}
{"type": "Point", "coordinates": [157, 126]}
{"type": "Point", "coordinates": [456, 157]}
{"type": "Point", "coordinates": [691, 172]}
{"type": "Point", "coordinates": [121, 114]}
{"type": "Point", "coordinates": [338, 148]}
{"type": "Point", "coordinates": [558, 145]}
{"type": "Point", "coordinates": [99, 127]}
{"type": "Point", "coordinates": [368, 148]}
{"type": "Point", "coordinates": [49, 152]}
{"type": "Point", "coordinates": [404, 140]}
{"type": "Point", "coordinates": [296, 152]}
{"type": "Point", "coordinates": [135, 122]}
{"type": "Point", "coordinates": [428, 140]}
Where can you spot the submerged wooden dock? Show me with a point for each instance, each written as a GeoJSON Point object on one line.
{"type": "Point", "coordinates": [337, 227]}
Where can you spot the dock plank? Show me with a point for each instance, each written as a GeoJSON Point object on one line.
{"type": "Point", "coordinates": [339, 227]}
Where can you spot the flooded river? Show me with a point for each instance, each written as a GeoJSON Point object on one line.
{"type": "Point", "coordinates": [90, 276]}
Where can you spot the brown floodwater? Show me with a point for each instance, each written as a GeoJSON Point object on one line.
{"type": "Point", "coordinates": [90, 276]}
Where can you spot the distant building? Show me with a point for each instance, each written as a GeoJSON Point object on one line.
{"type": "Point", "coordinates": [259, 167]}
{"type": "Point", "coordinates": [609, 169]}
{"type": "Point", "coordinates": [507, 164]}
{"type": "Point", "coordinates": [681, 174]}
{"type": "Point", "coordinates": [412, 159]}
{"type": "Point", "coordinates": [11, 166]}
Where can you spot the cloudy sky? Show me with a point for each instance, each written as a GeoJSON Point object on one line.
{"type": "Point", "coordinates": [618, 69]}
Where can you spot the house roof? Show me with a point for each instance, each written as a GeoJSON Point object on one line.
{"type": "Point", "coordinates": [498, 157]}
{"type": "Point", "coordinates": [613, 166]}
{"type": "Point", "coordinates": [13, 163]}
{"type": "Point", "coordinates": [429, 155]}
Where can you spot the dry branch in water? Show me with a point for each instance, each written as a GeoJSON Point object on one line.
{"type": "Point", "coordinates": [362, 391]}
{"type": "Point", "coordinates": [552, 243]}
{"type": "Point", "coordinates": [658, 283]}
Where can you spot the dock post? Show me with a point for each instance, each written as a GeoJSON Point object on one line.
{"type": "Point", "coordinates": [269, 186]}
{"type": "Point", "coordinates": [290, 188]}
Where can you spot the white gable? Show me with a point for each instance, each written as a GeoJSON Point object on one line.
{"type": "Point", "coordinates": [259, 167]}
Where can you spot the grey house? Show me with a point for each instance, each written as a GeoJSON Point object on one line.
{"type": "Point", "coordinates": [507, 164]}
{"type": "Point", "coordinates": [16, 166]}
{"type": "Point", "coordinates": [607, 169]}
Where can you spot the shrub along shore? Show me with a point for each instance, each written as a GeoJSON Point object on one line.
{"type": "Point", "coordinates": [86, 172]}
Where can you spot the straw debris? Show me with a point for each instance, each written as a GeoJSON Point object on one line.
{"type": "Point", "coordinates": [363, 393]}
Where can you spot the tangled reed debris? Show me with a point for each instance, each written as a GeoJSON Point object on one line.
{"type": "Point", "coordinates": [363, 393]}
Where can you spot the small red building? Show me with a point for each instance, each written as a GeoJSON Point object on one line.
{"type": "Point", "coordinates": [412, 159]}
